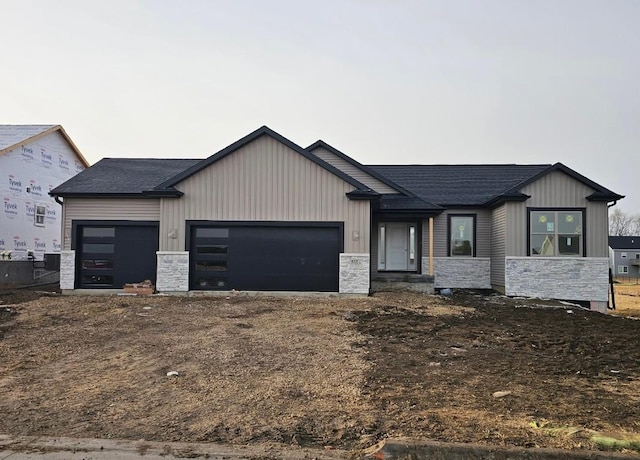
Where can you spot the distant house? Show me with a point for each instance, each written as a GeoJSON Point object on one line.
{"type": "Point", "coordinates": [265, 214]}
{"type": "Point", "coordinates": [625, 255]}
{"type": "Point", "coordinates": [34, 159]}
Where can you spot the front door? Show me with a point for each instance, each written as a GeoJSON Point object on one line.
{"type": "Point", "coordinates": [397, 246]}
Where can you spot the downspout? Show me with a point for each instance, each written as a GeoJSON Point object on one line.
{"type": "Point", "coordinates": [611, 305]}
{"type": "Point", "coordinates": [431, 246]}
{"type": "Point", "coordinates": [58, 200]}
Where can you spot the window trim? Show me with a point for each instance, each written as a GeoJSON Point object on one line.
{"type": "Point", "coordinates": [475, 233]}
{"type": "Point", "coordinates": [39, 222]}
{"type": "Point", "coordinates": [623, 270]}
{"type": "Point", "coordinates": [559, 209]}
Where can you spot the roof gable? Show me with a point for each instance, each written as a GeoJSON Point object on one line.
{"type": "Point", "coordinates": [600, 193]}
{"type": "Point", "coordinates": [320, 144]}
{"type": "Point", "coordinates": [263, 131]}
{"type": "Point", "coordinates": [12, 136]}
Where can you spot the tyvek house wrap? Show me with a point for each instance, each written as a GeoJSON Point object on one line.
{"type": "Point", "coordinates": [27, 173]}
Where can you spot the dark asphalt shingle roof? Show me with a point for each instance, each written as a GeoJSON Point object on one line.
{"type": "Point", "coordinates": [624, 242]}
{"type": "Point", "coordinates": [405, 203]}
{"type": "Point", "coordinates": [121, 176]}
{"type": "Point", "coordinates": [449, 185]}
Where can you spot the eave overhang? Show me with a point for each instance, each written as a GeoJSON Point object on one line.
{"type": "Point", "coordinates": [363, 195]}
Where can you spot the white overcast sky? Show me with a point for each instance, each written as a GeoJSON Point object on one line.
{"type": "Point", "coordinates": [448, 81]}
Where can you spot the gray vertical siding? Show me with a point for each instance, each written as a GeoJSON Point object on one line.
{"type": "Point", "coordinates": [107, 209]}
{"type": "Point", "coordinates": [353, 171]}
{"type": "Point", "coordinates": [441, 237]}
{"type": "Point", "coordinates": [498, 245]}
{"type": "Point", "coordinates": [557, 190]}
{"type": "Point", "coordinates": [265, 181]}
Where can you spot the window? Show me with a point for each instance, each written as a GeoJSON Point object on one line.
{"type": "Point", "coordinates": [556, 233]}
{"type": "Point", "coordinates": [40, 213]}
{"type": "Point", "coordinates": [623, 269]}
{"type": "Point", "coordinates": [462, 235]}
{"type": "Point", "coordinates": [623, 255]}
{"type": "Point", "coordinates": [99, 232]}
{"type": "Point", "coordinates": [204, 232]}
{"type": "Point", "coordinates": [213, 249]}
{"type": "Point", "coordinates": [99, 248]}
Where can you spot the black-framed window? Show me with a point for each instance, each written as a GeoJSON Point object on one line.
{"type": "Point", "coordinates": [556, 232]}
{"type": "Point", "coordinates": [462, 235]}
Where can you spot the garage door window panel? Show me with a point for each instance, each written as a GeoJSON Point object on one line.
{"type": "Point", "coordinates": [211, 265]}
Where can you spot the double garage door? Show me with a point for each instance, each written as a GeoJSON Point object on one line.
{"type": "Point", "coordinates": [265, 257]}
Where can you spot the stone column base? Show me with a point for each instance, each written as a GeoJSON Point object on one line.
{"type": "Point", "coordinates": [172, 271]}
{"type": "Point", "coordinates": [67, 270]}
{"type": "Point", "coordinates": [354, 273]}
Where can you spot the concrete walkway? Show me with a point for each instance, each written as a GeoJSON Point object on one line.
{"type": "Point", "coordinates": [47, 448]}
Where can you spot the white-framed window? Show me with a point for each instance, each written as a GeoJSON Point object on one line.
{"type": "Point", "coordinates": [637, 255]}
{"type": "Point", "coordinates": [623, 255]}
{"type": "Point", "coordinates": [39, 215]}
{"type": "Point", "coordinates": [623, 269]}
{"type": "Point", "coordinates": [556, 233]}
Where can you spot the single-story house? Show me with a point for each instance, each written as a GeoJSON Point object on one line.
{"type": "Point", "coordinates": [265, 214]}
{"type": "Point", "coordinates": [624, 252]}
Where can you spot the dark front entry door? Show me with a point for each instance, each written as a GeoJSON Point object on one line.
{"type": "Point", "coordinates": [111, 255]}
{"type": "Point", "coordinates": [265, 258]}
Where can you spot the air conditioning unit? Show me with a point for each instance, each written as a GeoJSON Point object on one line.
{"type": "Point", "coordinates": [52, 261]}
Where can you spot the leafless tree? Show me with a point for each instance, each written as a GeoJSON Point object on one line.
{"type": "Point", "coordinates": [623, 224]}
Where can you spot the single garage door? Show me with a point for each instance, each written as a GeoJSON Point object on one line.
{"type": "Point", "coordinates": [108, 256]}
{"type": "Point", "coordinates": [266, 257]}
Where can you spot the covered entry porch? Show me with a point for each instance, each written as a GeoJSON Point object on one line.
{"type": "Point", "coordinates": [398, 243]}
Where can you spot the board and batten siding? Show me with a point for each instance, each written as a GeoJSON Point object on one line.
{"type": "Point", "coordinates": [441, 236]}
{"type": "Point", "coordinates": [265, 181]}
{"type": "Point", "coordinates": [557, 190]}
{"type": "Point", "coordinates": [498, 245]}
{"type": "Point", "coordinates": [107, 209]}
{"type": "Point", "coordinates": [353, 171]}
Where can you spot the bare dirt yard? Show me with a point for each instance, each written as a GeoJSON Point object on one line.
{"type": "Point", "coordinates": [324, 372]}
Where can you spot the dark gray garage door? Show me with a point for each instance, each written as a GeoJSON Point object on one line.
{"type": "Point", "coordinates": [108, 256]}
{"type": "Point", "coordinates": [265, 257]}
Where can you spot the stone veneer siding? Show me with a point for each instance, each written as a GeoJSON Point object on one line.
{"type": "Point", "coordinates": [354, 273]}
{"type": "Point", "coordinates": [173, 271]}
{"type": "Point", "coordinates": [583, 278]}
{"type": "Point", "coordinates": [67, 270]}
{"type": "Point", "coordinates": [460, 272]}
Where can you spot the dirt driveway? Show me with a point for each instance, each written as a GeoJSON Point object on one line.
{"type": "Point", "coordinates": [324, 372]}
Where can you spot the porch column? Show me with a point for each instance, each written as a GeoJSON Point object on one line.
{"type": "Point", "coordinates": [430, 246]}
